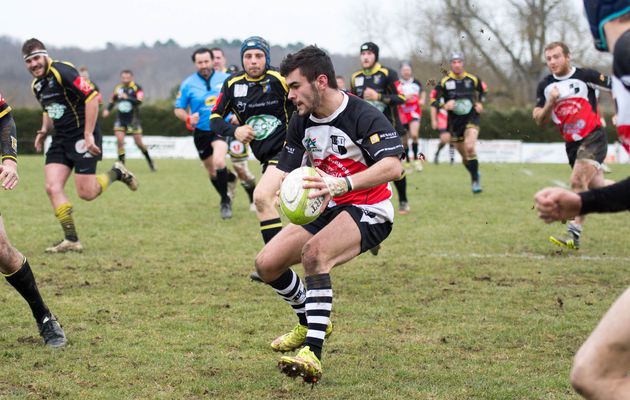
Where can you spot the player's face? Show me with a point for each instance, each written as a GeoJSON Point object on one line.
{"type": "Point", "coordinates": [218, 60]}
{"type": "Point", "coordinates": [254, 63]}
{"type": "Point", "coordinates": [37, 65]}
{"type": "Point", "coordinates": [457, 66]}
{"type": "Point", "coordinates": [126, 78]}
{"type": "Point", "coordinates": [557, 62]}
{"type": "Point", "coordinates": [204, 65]}
{"type": "Point", "coordinates": [406, 72]}
{"type": "Point", "coordinates": [367, 59]}
{"type": "Point", "coordinates": [302, 93]}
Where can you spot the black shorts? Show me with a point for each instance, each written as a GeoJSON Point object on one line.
{"type": "Point", "coordinates": [459, 127]}
{"type": "Point", "coordinates": [592, 148]}
{"type": "Point", "coordinates": [371, 234]}
{"type": "Point", "coordinates": [71, 151]}
{"type": "Point", "coordinates": [128, 123]}
{"type": "Point", "coordinates": [272, 161]}
{"type": "Point", "coordinates": [203, 142]}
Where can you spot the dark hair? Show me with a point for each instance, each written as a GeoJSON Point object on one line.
{"type": "Point", "coordinates": [553, 45]}
{"type": "Point", "coordinates": [126, 71]}
{"type": "Point", "coordinates": [31, 45]}
{"type": "Point", "coordinates": [217, 49]}
{"type": "Point", "coordinates": [202, 50]}
{"type": "Point", "coordinates": [312, 62]}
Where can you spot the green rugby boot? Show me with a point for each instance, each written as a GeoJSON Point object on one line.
{"type": "Point", "coordinates": [304, 364]}
{"type": "Point", "coordinates": [294, 339]}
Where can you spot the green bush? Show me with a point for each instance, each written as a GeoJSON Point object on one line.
{"type": "Point", "coordinates": [515, 124]}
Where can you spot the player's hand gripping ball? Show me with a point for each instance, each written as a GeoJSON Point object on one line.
{"type": "Point", "coordinates": [294, 200]}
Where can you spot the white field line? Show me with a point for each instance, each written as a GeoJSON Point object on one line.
{"type": "Point", "coordinates": [528, 256]}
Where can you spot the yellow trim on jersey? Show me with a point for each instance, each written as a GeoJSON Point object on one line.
{"type": "Point", "coordinates": [278, 76]}
{"type": "Point", "coordinates": [90, 97]}
{"type": "Point", "coordinates": [377, 67]}
{"type": "Point", "coordinates": [215, 116]}
{"type": "Point", "coordinates": [65, 94]}
{"type": "Point", "coordinates": [5, 111]}
{"type": "Point", "coordinates": [9, 158]}
{"type": "Point", "coordinates": [446, 78]}
{"type": "Point", "coordinates": [236, 79]}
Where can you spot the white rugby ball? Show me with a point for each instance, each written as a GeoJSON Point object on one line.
{"type": "Point", "coordinates": [294, 200]}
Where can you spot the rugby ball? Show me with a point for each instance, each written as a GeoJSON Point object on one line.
{"type": "Point", "coordinates": [294, 200]}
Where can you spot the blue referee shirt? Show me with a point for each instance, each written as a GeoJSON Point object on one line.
{"type": "Point", "coordinates": [200, 95]}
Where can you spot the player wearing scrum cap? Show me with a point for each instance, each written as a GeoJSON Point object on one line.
{"type": "Point", "coordinates": [70, 106]}
{"type": "Point", "coordinates": [462, 94]}
{"type": "Point", "coordinates": [258, 99]}
{"type": "Point", "coordinates": [379, 86]}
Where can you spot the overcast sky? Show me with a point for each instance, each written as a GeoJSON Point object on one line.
{"type": "Point", "coordinates": [89, 24]}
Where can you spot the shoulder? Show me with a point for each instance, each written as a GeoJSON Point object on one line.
{"type": "Point", "coordinates": [189, 80]}
{"type": "Point", "coordinates": [236, 78]}
{"type": "Point", "coordinates": [356, 74]}
{"type": "Point", "coordinates": [444, 79]}
{"type": "Point", "coordinates": [472, 77]}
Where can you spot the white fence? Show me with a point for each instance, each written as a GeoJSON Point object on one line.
{"type": "Point", "coordinates": [501, 151]}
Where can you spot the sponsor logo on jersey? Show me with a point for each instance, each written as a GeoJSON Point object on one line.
{"type": "Point", "coordinates": [211, 101]}
{"type": "Point", "coordinates": [55, 110]}
{"type": "Point", "coordinates": [83, 85]}
{"type": "Point", "coordinates": [125, 106]}
{"type": "Point", "coordinates": [241, 106]}
{"type": "Point", "coordinates": [338, 144]}
{"type": "Point", "coordinates": [240, 90]}
{"type": "Point", "coordinates": [449, 85]}
{"type": "Point", "coordinates": [310, 144]}
{"type": "Point", "coordinates": [264, 125]}
{"type": "Point", "coordinates": [375, 138]}
{"type": "Point", "coordinates": [358, 81]}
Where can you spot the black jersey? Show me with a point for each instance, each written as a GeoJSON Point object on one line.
{"type": "Point", "coordinates": [62, 93]}
{"type": "Point", "coordinates": [576, 112]}
{"type": "Point", "coordinates": [260, 103]}
{"type": "Point", "coordinates": [385, 82]}
{"type": "Point", "coordinates": [611, 198]}
{"type": "Point", "coordinates": [127, 99]}
{"type": "Point", "coordinates": [347, 142]}
{"type": "Point", "coordinates": [466, 89]}
{"type": "Point", "coordinates": [8, 138]}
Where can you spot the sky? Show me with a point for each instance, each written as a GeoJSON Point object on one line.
{"type": "Point", "coordinates": [89, 24]}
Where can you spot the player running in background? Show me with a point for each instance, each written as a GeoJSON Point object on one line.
{"type": "Point", "coordinates": [439, 123]}
{"type": "Point", "coordinates": [411, 111]}
{"type": "Point", "coordinates": [379, 86]}
{"type": "Point", "coordinates": [70, 107]}
{"type": "Point", "coordinates": [13, 265]}
{"type": "Point", "coordinates": [357, 152]}
{"type": "Point", "coordinates": [85, 73]}
{"type": "Point", "coordinates": [462, 95]}
{"type": "Point", "coordinates": [127, 97]}
{"type": "Point", "coordinates": [567, 97]}
{"type": "Point", "coordinates": [197, 95]}
{"type": "Point", "coordinates": [237, 150]}
{"type": "Point", "coordinates": [600, 368]}
{"type": "Point", "coordinates": [258, 99]}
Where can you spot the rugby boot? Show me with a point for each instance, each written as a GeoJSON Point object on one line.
{"type": "Point", "coordinates": [294, 339]}
{"type": "Point", "coordinates": [305, 364]}
{"type": "Point", "coordinates": [570, 241]}
{"type": "Point", "coordinates": [226, 210]}
{"type": "Point", "coordinates": [51, 332]}
{"type": "Point", "coordinates": [65, 246]}
{"type": "Point", "coordinates": [126, 176]}
{"type": "Point", "coordinates": [404, 208]}
{"type": "Point", "coordinates": [476, 185]}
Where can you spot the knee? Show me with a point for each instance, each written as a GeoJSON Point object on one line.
{"type": "Point", "coordinates": [87, 194]}
{"type": "Point", "coordinates": [262, 199]}
{"type": "Point", "coordinates": [581, 377]}
{"type": "Point", "coordinates": [313, 259]}
{"type": "Point", "coordinates": [578, 184]}
{"type": "Point", "coordinates": [264, 266]}
{"type": "Point", "coordinates": [219, 163]}
{"type": "Point", "coordinates": [53, 188]}
{"type": "Point", "coordinates": [10, 258]}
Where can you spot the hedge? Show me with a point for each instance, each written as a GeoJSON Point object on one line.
{"type": "Point", "coordinates": [515, 124]}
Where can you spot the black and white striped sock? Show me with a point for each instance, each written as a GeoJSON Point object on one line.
{"type": "Point", "coordinates": [319, 298]}
{"type": "Point", "coordinates": [290, 287]}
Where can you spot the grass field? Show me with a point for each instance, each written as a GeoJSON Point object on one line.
{"type": "Point", "coordinates": [467, 299]}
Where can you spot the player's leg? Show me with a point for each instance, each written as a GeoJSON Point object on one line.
{"type": "Point", "coordinates": [219, 154]}
{"type": "Point", "coordinates": [55, 175]}
{"type": "Point", "coordinates": [414, 133]}
{"type": "Point", "coordinates": [470, 147]}
{"type": "Point", "coordinates": [265, 201]}
{"type": "Point", "coordinates": [89, 185]}
{"type": "Point", "coordinates": [600, 368]}
{"type": "Point", "coordinates": [445, 138]}
{"type": "Point", "coordinates": [119, 132]}
{"type": "Point", "coordinates": [137, 138]}
{"type": "Point", "coordinates": [17, 271]}
{"type": "Point", "coordinates": [248, 180]}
